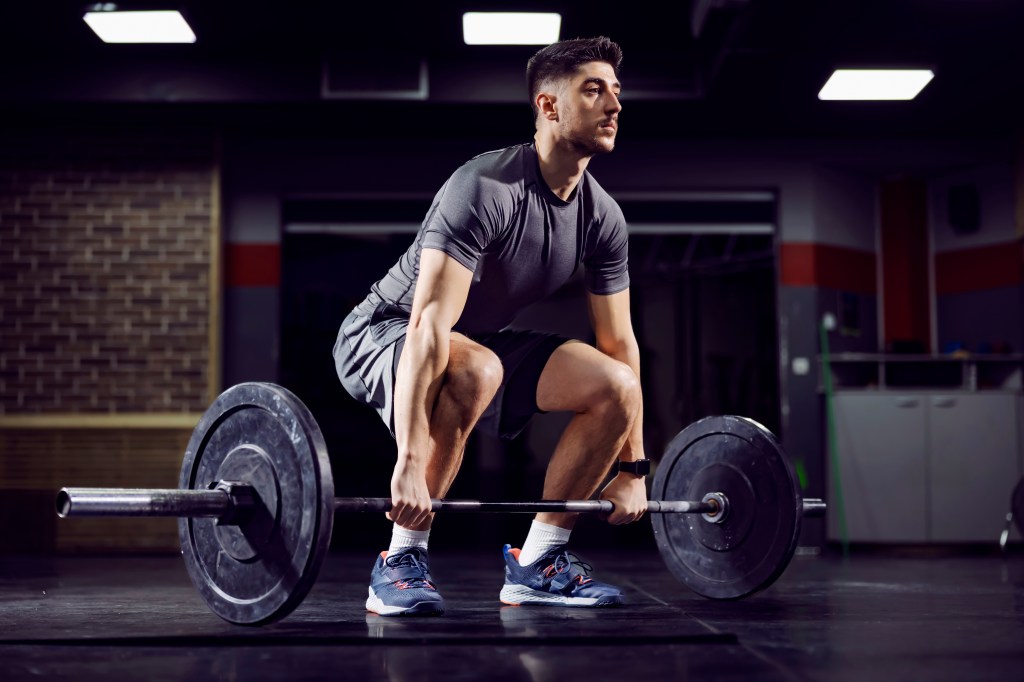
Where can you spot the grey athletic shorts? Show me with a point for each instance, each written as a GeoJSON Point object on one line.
{"type": "Point", "coordinates": [366, 358]}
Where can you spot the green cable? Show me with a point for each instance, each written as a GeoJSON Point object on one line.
{"type": "Point", "coordinates": [833, 452]}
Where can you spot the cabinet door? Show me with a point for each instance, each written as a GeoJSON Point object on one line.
{"type": "Point", "coordinates": [973, 465]}
{"type": "Point", "coordinates": [882, 454]}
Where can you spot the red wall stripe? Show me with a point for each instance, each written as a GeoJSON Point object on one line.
{"type": "Point", "coordinates": [823, 265]}
{"type": "Point", "coordinates": [985, 267]}
{"type": "Point", "coordinates": [802, 265]}
{"type": "Point", "coordinates": [253, 265]}
{"type": "Point", "coordinates": [904, 258]}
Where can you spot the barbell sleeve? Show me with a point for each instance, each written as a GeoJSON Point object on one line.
{"type": "Point", "coordinates": [143, 502]}
{"type": "Point", "coordinates": [814, 508]}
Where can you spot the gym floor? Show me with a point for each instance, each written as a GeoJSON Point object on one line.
{"type": "Point", "coordinates": [893, 615]}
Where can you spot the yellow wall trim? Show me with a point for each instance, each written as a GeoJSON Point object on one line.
{"type": "Point", "coordinates": [148, 420]}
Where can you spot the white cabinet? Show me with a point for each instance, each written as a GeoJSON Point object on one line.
{"type": "Point", "coordinates": [974, 464]}
{"type": "Point", "coordinates": [923, 466]}
{"type": "Point", "coordinates": [882, 455]}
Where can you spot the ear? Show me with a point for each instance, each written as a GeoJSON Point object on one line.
{"type": "Point", "coordinates": [547, 105]}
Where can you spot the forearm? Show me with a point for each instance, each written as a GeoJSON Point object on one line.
{"type": "Point", "coordinates": [420, 374]}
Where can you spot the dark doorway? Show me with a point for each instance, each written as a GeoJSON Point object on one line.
{"type": "Point", "coordinates": [704, 313]}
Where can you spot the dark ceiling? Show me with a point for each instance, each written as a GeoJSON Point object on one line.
{"type": "Point", "coordinates": [692, 67]}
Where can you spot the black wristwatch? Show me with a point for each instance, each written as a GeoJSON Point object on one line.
{"type": "Point", "coordinates": [639, 467]}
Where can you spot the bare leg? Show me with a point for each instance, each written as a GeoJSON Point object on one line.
{"type": "Point", "coordinates": [605, 395]}
{"type": "Point", "coordinates": [471, 380]}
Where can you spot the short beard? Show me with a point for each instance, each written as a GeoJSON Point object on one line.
{"type": "Point", "coordinates": [589, 146]}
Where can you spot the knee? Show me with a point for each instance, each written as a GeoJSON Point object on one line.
{"type": "Point", "coordinates": [477, 378]}
{"type": "Point", "coordinates": [619, 396]}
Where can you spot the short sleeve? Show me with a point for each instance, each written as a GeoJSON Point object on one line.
{"type": "Point", "coordinates": [464, 218]}
{"type": "Point", "coordinates": [607, 263]}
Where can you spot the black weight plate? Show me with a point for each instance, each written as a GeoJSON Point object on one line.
{"type": "Point", "coordinates": [1017, 505]}
{"type": "Point", "coordinates": [260, 570]}
{"type": "Point", "coordinates": [753, 545]}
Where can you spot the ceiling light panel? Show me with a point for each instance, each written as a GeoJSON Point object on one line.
{"type": "Point", "coordinates": [875, 84]}
{"type": "Point", "coordinates": [511, 28]}
{"type": "Point", "coordinates": [163, 26]}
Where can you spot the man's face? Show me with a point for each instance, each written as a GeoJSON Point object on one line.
{"type": "Point", "coordinates": [588, 109]}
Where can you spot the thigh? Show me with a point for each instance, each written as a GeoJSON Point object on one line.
{"type": "Point", "coordinates": [463, 353]}
{"type": "Point", "coordinates": [523, 356]}
{"type": "Point", "coordinates": [575, 376]}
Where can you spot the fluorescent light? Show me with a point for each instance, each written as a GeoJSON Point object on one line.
{"type": "Point", "coordinates": [511, 28]}
{"type": "Point", "coordinates": [164, 26]}
{"type": "Point", "coordinates": [875, 84]}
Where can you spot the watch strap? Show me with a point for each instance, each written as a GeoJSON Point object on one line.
{"type": "Point", "coordinates": [639, 467]}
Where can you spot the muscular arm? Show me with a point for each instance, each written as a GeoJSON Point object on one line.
{"type": "Point", "coordinates": [613, 328]}
{"type": "Point", "coordinates": [441, 291]}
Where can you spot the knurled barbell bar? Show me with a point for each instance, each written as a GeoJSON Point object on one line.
{"type": "Point", "coordinates": [231, 502]}
{"type": "Point", "coordinates": [256, 505]}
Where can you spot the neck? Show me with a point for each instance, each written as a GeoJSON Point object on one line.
{"type": "Point", "coordinates": [560, 166]}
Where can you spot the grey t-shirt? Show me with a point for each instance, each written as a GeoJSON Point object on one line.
{"type": "Point", "coordinates": [496, 216]}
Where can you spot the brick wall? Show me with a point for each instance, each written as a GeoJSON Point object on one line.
{"type": "Point", "coordinates": [108, 273]}
{"type": "Point", "coordinates": [38, 462]}
{"type": "Point", "coordinates": [105, 261]}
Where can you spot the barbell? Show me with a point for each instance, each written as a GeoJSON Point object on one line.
{"type": "Point", "coordinates": [256, 505]}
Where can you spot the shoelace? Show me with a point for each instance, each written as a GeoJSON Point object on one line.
{"type": "Point", "coordinates": [564, 562]}
{"type": "Point", "coordinates": [407, 560]}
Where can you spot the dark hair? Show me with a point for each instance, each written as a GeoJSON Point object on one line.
{"type": "Point", "coordinates": [562, 59]}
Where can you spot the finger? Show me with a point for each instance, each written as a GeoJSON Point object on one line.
{"type": "Point", "coordinates": [400, 514]}
{"type": "Point", "coordinates": [395, 514]}
{"type": "Point", "coordinates": [420, 512]}
{"type": "Point", "coordinates": [419, 517]}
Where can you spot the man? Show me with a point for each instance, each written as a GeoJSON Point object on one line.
{"type": "Point", "coordinates": [429, 349]}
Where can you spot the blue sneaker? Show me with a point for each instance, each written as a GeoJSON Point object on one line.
{"type": "Point", "coordinates": [557, 579]}
{"type": "Point", "coordinates": [400, 585]}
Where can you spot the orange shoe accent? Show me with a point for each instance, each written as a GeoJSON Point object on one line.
{"type": "Point", "coordinates": [509, 603]}
{"type": "Point", "coordinates": [515, 553]}
{"type": "Point", "coordinates": [384, 554]}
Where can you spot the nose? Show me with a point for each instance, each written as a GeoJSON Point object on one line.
{"type": "Point", "coordinates": [613, 106]}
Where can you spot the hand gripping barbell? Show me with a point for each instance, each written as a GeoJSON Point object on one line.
{"type": "Point", "coordinates": [256, 505]}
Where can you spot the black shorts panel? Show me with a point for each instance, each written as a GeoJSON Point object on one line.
{"type": "Point", "coordinates": [523, 355]}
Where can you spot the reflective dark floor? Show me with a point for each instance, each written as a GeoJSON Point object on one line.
{"type": "Point", "coordinates": [877, 616]}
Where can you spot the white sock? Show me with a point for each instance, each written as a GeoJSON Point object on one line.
{"type": "Point", "coordinates": [403, 538]}
{"type": "Point", "coordinates": [542, 538]}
